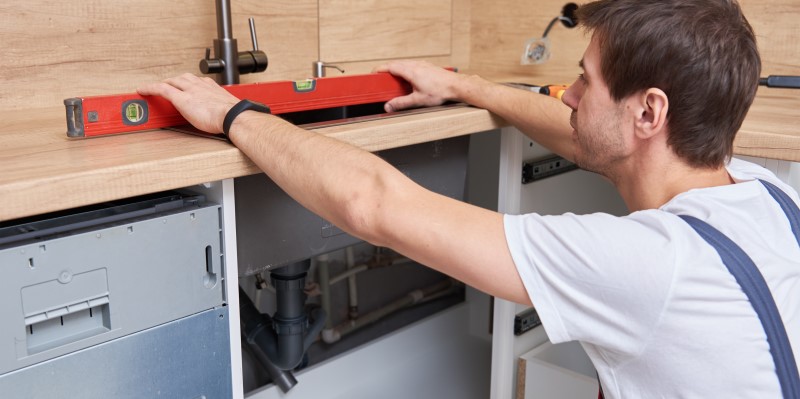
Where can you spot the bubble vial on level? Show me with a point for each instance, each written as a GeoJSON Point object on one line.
{"type": "Point", "coordinates": [134, 112]}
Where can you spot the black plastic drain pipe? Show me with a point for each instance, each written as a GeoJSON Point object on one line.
{"type": "Point", "coordinates": [284, 338]}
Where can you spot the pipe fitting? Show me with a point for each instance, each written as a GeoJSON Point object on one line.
{"type": "Point", "coordinates": [284, 338]}
{"type": "Point", "coordinates": [330, 335]}
{"type": "Point", "coordinates": [255, 329]}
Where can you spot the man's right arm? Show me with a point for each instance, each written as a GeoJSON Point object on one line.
{"type": "Point", "coordinates": [542, 118]}
{"type": "Point", "coordinates": [358, 191]}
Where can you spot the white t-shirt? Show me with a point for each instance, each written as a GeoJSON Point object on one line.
{"type": "Point", "coordinates": [651, 302]}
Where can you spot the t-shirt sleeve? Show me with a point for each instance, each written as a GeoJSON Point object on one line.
{"type": "Point", "coordinates": [596, 278]}
{"type": "Point", "coordinates": [743, 170]}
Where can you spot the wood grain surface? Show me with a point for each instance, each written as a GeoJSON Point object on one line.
{"type": "Point", "coordinates": [44, 171]}
{"type": "Point", "coordinates": [359, 30]}
{"type": "Point", "coordinates": [55, 50]}
{"type": "Point", "coordinates": [501, 27]}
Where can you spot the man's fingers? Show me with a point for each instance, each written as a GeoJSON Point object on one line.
{"type": "Point", "coordinates": [184, 81]}
{"type": "Point", "coordinates": [162, 89]}
{"type": "Point", "coordinates": [403, 68]}
{"type": "Point", "coordinates": [170, 88]}
{"type": "Point", "coordinates": [401, 103]}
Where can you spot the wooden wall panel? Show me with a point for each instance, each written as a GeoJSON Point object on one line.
{"type": "Point", "coordinates": [459, 56]}
{"type": "Point", "coordinates": [778, 34]}
{"type": "Point", "coordinates": [361, 30]}
{"type": "Point", "coordinates": [501, 27]}
{"type": "Point", "coordinates": [54, 50]}
{"type": "Point", "coordinates": [461, 37]}
{"type": "Point", "coordinates": [287, 32]}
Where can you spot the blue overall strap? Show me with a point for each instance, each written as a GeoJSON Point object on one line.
{"type": "Point", "coordinates": [755, 288]}
{"type": "Point", "coordinates": [788, 206]}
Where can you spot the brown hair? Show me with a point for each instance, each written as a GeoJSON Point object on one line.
{"type": "Point", "coordinates": [701, 53]}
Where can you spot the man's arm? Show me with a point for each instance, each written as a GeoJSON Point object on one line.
{"type": "Point", "coordinates": [542, 118]}
{"type": "Point", "coordinates": [359, 192]}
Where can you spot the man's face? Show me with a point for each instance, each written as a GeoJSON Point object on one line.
{"type": "Point", "coordinates": [597, 120]}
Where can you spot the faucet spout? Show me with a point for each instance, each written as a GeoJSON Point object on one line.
{"type": "Point", "coordinates": [224, 29]}
{"type": "Point", "coordinates": [225, 46]}
{"type": "Point", "coordinates": [228, 63]}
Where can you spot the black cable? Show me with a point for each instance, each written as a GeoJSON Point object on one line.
{"type": "Point", "coordinates": [786, 82]}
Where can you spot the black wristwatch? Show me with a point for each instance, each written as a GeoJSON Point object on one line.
{"type": "Point", "coordinates": [241, 106]}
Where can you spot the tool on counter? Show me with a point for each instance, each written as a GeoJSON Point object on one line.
{"type": "Point", "coordinates": [786, 82]}
{"type": "Point", "coordinates": [553, 90]}
{"type": "Point", "coordinates": [353, 95]}
{"type": "Point", "coordinates": [121, 113]}
{"type": "Point", "coordinates": [549, 90]}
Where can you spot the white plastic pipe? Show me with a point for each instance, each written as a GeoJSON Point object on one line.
{"type": "Point", "coordinates": [351, 284]}
{"type": "Point", "coordinates": [331, 335]}
{"type": "Point", "coordinates": [324, 287]}
{"type": "Point", "coordinates": [349, 272]}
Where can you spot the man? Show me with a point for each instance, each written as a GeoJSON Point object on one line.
{"type": "Point", "coordinates": [665, 87]}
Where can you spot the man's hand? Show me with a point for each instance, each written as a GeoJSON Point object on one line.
{"type": "Point", "coordinates": [201, 101]}
{"type": "Point", "coordinates": [432, 85]}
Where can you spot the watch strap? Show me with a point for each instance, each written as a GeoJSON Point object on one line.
{"type": "Point", "coordinates": [241, 106]}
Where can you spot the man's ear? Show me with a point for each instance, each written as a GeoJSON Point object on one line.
{"type": "Point", "coordinates": [651, 117]}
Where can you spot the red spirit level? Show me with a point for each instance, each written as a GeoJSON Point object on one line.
{"type": "Point", "coordinates": [104, 115]}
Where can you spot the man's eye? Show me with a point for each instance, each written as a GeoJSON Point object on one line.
{"type": "Point", "coordinates": [581, 77]}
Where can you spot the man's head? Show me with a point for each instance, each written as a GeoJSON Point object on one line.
{"type": "Point", "coordinates": [700, 53]}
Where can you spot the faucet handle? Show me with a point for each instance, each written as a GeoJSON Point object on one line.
{"type": "Point", "coordinates": [254, 60]}
{"type": "Point", "coordinates": [253, 37]}
{"type": "Point", "coordinates": [211, 65]}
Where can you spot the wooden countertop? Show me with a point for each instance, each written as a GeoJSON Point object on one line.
{"type": "Point", "coordinates": [44, 171]}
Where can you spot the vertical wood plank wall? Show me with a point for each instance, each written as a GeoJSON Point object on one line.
{"type": "Point", "coordinates": [500, 33]}
{"type": "Point", "coordinates": [53, 50]}
{"type": "Point", "coordinates": [501, 27]}
{"type": "Point", "coordinates": [778, 34]}
{"type": "Point", "coordinates": [356, 31]}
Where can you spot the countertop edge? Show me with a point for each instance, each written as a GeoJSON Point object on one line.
{"type": "Point", "coordinates": [44, 194]}
{"type": "Point", "coordinates": [162, 160]}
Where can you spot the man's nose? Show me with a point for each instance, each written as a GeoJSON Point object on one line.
{"type": "Point", "coordinates": [571, 97]}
